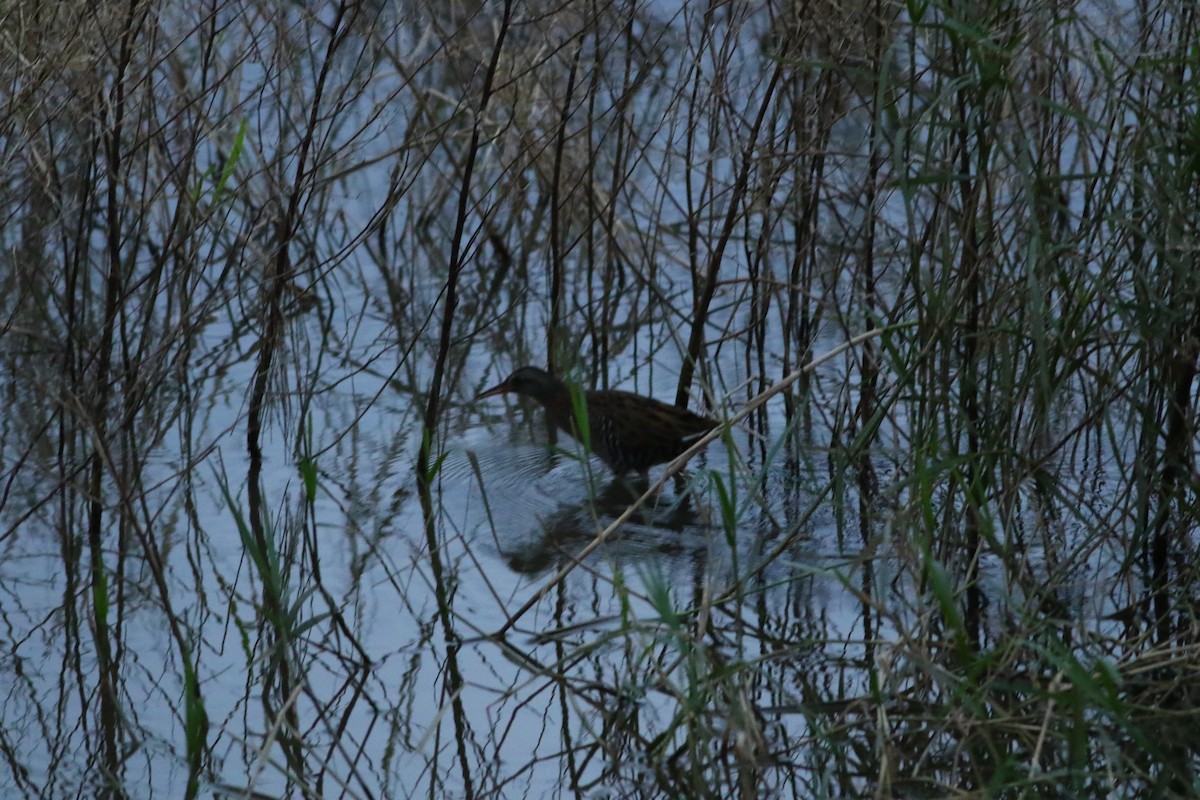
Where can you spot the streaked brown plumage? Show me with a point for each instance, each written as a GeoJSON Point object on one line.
{"type": "Point", "coordinates": [627, 431]}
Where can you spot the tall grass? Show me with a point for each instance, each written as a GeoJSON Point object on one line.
{"type": "Point", "coordinates": [934, 264]}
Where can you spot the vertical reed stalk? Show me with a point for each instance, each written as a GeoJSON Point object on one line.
{"type": "Point", "coordinates": [279, 281]}
{"type": "Point", "coordinates": [426, 468]}
{"type": "Point", "coordinates": [733, 212]}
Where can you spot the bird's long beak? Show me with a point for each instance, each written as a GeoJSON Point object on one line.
{"type": "Point", "coordinates": [499, 388]}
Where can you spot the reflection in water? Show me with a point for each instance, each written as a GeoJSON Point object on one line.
{"type": "Point", "coordinates": [667, 525]}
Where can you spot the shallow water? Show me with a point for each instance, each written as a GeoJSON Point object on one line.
{"type": "Point", "coordinates": [925, 568]}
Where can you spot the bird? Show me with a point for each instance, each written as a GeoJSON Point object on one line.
{"type": "Point", "coordinates": [629, 432]}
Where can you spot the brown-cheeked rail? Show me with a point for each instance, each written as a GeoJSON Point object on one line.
{"type": "Point", "coordinates": [628, 432]}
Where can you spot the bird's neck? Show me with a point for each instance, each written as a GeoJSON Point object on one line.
{"type": "Point", "coordinates": [554, 392]}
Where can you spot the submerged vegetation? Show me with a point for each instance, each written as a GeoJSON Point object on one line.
{"type": "Point", "coordinates": [934, 264]}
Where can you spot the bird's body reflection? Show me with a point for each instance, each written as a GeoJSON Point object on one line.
{"type": "Point", "coordinates": [668, 524]}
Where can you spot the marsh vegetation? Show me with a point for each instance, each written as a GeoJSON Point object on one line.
{"type": "Point", "coordinates": [933, 264]}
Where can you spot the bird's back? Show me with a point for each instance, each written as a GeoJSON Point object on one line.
{"type": "Point", "coordinates": [632, 432]}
